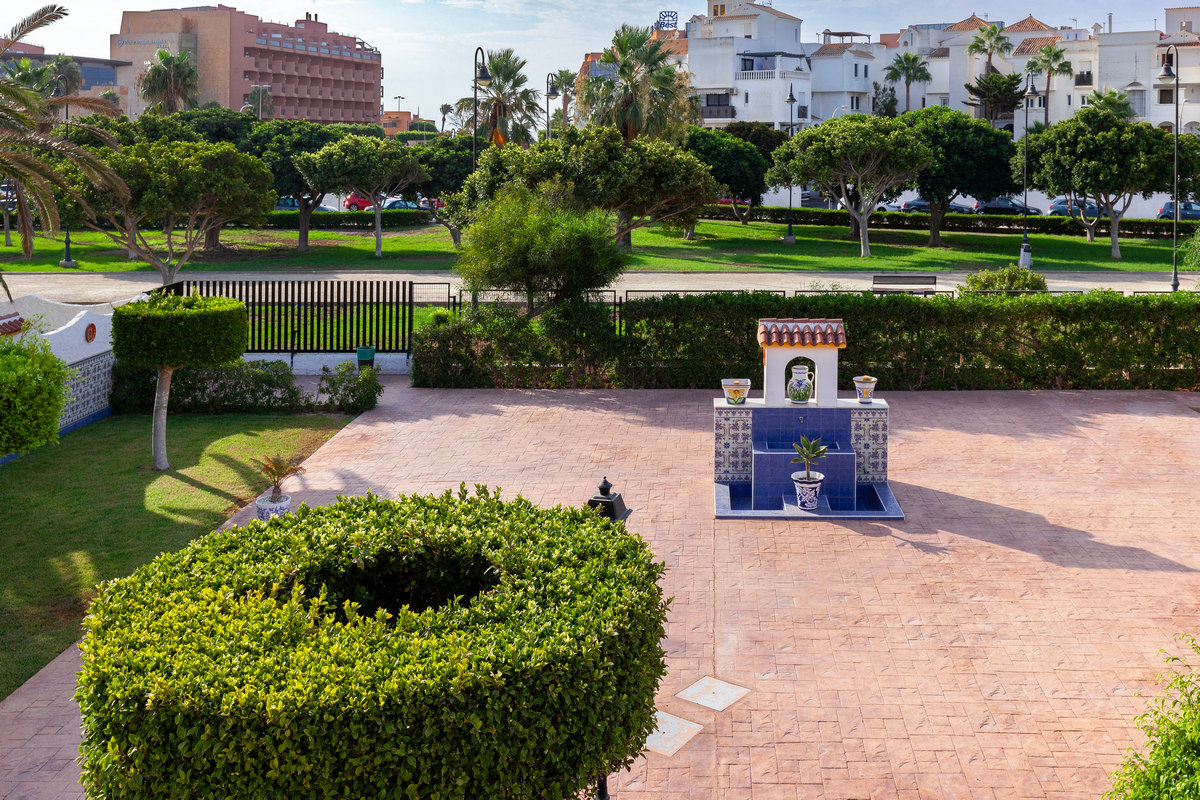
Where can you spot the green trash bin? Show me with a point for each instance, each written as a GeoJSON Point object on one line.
{"type": "Point", "coordinates": [366, 357]}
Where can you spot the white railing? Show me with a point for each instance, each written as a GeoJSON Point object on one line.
{"type": "Point", "coordinates": [755, 75]}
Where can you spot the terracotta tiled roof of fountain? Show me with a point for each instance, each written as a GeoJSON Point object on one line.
{"type": "Point", "coordinates": [801, 333]}
{"type": "Point", "coordinates": [10, 324]}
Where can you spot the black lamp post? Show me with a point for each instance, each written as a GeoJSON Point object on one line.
{"type": "Point", "coordinates": [481, 78]}
{"type": "Point", "coordinates": [1168, 73]}
{"type": "Point", "coordinates": [790, 238]}
{"type": "Point", "coordinates": [1026, 260]}
{"type": "Point", "coordinates": [61, 89]}
{"type": "Point", "coordinates": [551, 94]}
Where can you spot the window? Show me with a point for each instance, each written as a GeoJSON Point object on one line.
{"type": "Point", "coordinates": [856, 70]}
{"type": "Point", "coordinates": [747, 31]}
{"type": "Point", "coordinates": [945, 101]}
{"type": "Point", "coordinates": [854, 102]}
{"type": "Point", "coordinates": [747, 100]}
{"type": "Point", "coordinates": [1083, 100]}
{"type": "Point", "coordinates": [922, 101]}
{"type": "Point", "coordinates": [716, 99]}
{"type": "Point", "coordinates": [866, 70]}
{"type": "Point", "coordinates": [1068, 99]}
{"type": "Point", "coordinates": [1166, 96]}
{"type": "Point", "coordinates": [747, 64]}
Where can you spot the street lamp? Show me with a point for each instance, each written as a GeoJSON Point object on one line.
{"type": "Point", "coordinates": [1026, 260]}
{"type": "Point", "coordinates": [790, 238]}
{"type": "Point", "coordinates": [481, 78]}
{"type": "Point", "coordinates": [1168, 74]}
{"type": "Point", "coordinates": [551, 94]}
{"type": "Point", "coordinates": [61, 89]}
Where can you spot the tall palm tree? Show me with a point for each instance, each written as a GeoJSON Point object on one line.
{"type": "Point", "coordinates": [508, 107]}
{"type": "Point", "coordinates": [445, 110]}
{"type": "Point", "coordinates": [62, 66]}
{"type": "Point", "coordinates": [34, 76]}
{"type": "Point", "coordinates": [564, 79]}
{"type": "Point", "coordinates": [1112, 100]}
{"type": "Point", "coordinates": [909, 68]}
{"type": "Point", "coordinates": [989, 40]}
{"type": "Point", "coordinates": [170, 83]}
{"type": "Point", "coordinates": [1051, 60]}
{"type": "Point", "coordinates": [261, 103]}
{"type": "Point", "coordinates": [636, 88]}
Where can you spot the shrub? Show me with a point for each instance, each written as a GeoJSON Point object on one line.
{"type": "Point", "coordinates": [349, 389]}
{"type": "Point", "coordinates": [431, 647]}
{"type": "Point", "coordinates": [33, 391]}
{"type": "Point", "coordinates": [179, 331]}
{"type": "Point", "coordinates": [1009, 279]}
{"type": "Point", "coordinates": [332, 220]}
{"type": "Point", "coordinates": [1169, 769]}
{"type": "Point", "coordinates": [260, 386]}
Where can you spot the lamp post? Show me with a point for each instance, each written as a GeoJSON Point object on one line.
{"type": "Point", "coordinates": [551, 94]}
{"type": "Point", "coordinates": [790, 238]}
{"type": "Point", "coordinates": [1168, 73]}
{"type": "Point", "coordinates": [481, 78]}
{"type": "Point", "coordinates": [61, 88]}
{"type": "Point", "coordinates": [1026, 259]}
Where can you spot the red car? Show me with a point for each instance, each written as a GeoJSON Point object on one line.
{"type": "Point", "coordinates": [356, 202]}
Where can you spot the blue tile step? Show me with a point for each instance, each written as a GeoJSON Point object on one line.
{"type": "Point", "coordinates": [873, 501]}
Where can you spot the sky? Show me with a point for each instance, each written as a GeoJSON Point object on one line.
{"type": "Point", "coordinates": [428, 45]}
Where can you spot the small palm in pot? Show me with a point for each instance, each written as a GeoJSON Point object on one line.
{"type": "Point", "coordinates": [277, 469]}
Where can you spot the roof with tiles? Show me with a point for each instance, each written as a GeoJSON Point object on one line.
{"type": "Point", "coordinates": [1033, 44]}
{"type": "Point", "coordinates": [1028, 25]}
{"type": "Point", "coordinates": [11, 324]}
{"type": "Point", "coordinates": [890, 39]}
{"type": "Point", "coordinates": [776, 12]}
{"type": "Point", "coordinates": [971, 23]}
{"type": "Point", "coordinates": [831, 50]}
{"type": "Point", "coordinates": [801, 333]}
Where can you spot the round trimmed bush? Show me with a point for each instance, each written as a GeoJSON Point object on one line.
{"type": "Point", "coordinates": [427, 647]}
{"type": "Point", "coordinates": [179, 331]}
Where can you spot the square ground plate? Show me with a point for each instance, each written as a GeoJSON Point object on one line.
{"type": "Point", "coordinates": [671, 733]}
{"type": "Point", "coordinates": [875, 501]}
{"type": "Point", "coordinates": [713, 693]}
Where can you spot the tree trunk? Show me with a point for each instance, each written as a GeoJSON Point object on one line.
{"type": "Point", "coordinates": [737, 214]}
{"type": "Point", "coordinates": [625, 234]}
{"type": "Point", "coordinates": [378, 230]}
{"type": "Point", "coordinates": [566, 104]}
{"type": "Point", "coordinates": [212, 238]}
{"type": "Point", "coordinates": [1114, 223]}
{"type": "Point", "coordinates": [306, 209]}
{"type": "Point", "coordinates": [907, 93]}
{"type": "Point", "coordinates": [864, 245]}
{"type": "Point", "coordinates": [7, 225]}
{"type": "Point", "coordinates": [853, 227]}
{"type": "Point", "coordinates": [936, 215]}
{"type": "Point", "coordinates": [131, 253]}
{"type": "Point", "coordinates": [158, 443]}
{"type": "Point", "coordinates": [689, 233]}
{"type": "Point", "coordinates": [1046, 123]}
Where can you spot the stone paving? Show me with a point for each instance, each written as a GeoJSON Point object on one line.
{"type": "Point", "coordinates": [990, 646]}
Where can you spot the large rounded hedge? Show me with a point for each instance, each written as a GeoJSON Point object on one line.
{"type": "Point", "coordinates": [33, 391]}
{"type": "Point", "coordinates": [427, 647]}
{"type": "Point", "coordinates": [179, 331]}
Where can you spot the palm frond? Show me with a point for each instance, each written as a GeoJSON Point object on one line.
{"type": "Point", "coordinates": [46, 15]}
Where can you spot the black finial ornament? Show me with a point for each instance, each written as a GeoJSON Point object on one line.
{"type": "Point", "coordinates": [608, 503]}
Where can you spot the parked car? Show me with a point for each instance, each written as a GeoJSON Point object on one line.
{"type": "Point", "coordinates": [920, 205]}
{"type": "Point", "coordinates": [356, 202]}
{"type": "Point", "coordinates": [391, 205]}
{"type": "Point", "coordinates": [1059, 209]}
{"type": "Point", "coordinates": [292, 204]}
{"type": "Point", "coordinates": [426, 203]}
{"type": "Point", "coordinates": [1005, 205]}
{"type": "Point", "coordinates": [888, 207]}
{"type": "Point", "coordinates": [1186, 210]}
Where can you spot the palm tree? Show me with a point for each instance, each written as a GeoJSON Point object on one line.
{"type": "Point", "coordinates": [1051, 60]}
{"type": "Point", "coordinates": [62, 66]}
{"type": "Point", "coordinates": [445, 110]}
{"type": "Point", "coordinates": [910, 68]}
{"type": "Point", "coordinates": [31, 75]}
{"type": "Point", "coordinates": [989, 40]}
{"type": "Point", "coordinates": [564, 79]}
{"type": "Point", "coordinates": [170, 84]}
{"type": "Point", "coordinates": [508, 108]}
{"type": "Point", "coordinates": [1112, 100]}
{"type": "Point", "coordinates": [261, 103]}
{"type": "Point", "coordinates": [637, 89]}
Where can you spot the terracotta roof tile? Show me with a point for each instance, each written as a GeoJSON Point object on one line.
{"type": "Point", "coordinates": [971, 23]}
{"type": "Point", "coordinates": [831, 50]}
{"type": "Point", "coordinates": [890, 39]}
{"type": "Point", "coordinates": [11, 324]}
{"type": "Point", "coordinates": [776, 12]}
{"type": "Point", "coordinates": [1033, 44]}
{"type": "Point", "coordinates": [801, 333]}
{"type": "Point", "coordinates": [1028, 25]}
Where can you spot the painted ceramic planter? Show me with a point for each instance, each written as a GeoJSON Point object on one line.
{"type": "Point", "coordinates": [800, 387]}
{"type": "Point", "coordinates": [735, 390]}
{"type": "Point", "coordinates": [864, 387]}
{"type": "Point", "coordinates": [266, 509]}
{"type": "Point", "coordinates": [807, 489]}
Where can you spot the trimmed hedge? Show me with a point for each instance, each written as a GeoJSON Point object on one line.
{"type": "Point", "coordinates": [333, 220]}
{"type": "Point", "coordinates": [427, 647]}
{"type": "Point", "coordinates": [1098, 340]}
{"type": "Point", "coordinates": [180, 331]}
{"type": "Point", "coordinates": [33, 391]}
{"type": "Point", "coordinates": [977, 223]}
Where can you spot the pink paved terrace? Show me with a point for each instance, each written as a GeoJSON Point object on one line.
{"type": "Point", "coordinates": [990, 646]}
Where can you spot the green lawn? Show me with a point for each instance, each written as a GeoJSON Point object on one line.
{"type": "Point", "coordinates": [718, 246]}
{"type": "Point", "coordinates": [90, 509]}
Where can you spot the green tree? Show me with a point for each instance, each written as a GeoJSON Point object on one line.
{"type": "Point", "coordinates": [967, 156]}
{"type": "Point", "coordinates": [447, 160]}
{"type": "Point", "coordinates": [508, 107]}
{"type": "Point", "coordinates": [111, 97]}
{"type": "Point", "coordinates": [214, 125]}
{"type": "Point", "coordinates": [908, 68]}
{"type": "Point", "coordinates": [359, 129]}
{"type": "Point", "coordinates": [989, 40]}
{"type": "Point", "coordinates": [375, 168]}
{"type": "Point", "coordinates": [765, 138]}
{"type": "Point", "coordinates": [63, 66]}
{"type": "Point", "coordinates": [637, 89]}
{"type": "Point", "coordinates": [277, 142]}
{"type": "Point", "coordinates": [997, 93]}
{"type": "Point", "coordinates": [856, 160]}
{"type": "Point", "coordinates": [444, 110]}
{"type": "Point", "coordinates": [33, 391]}
{"type": "Point", "coordinates": [260, 102]}
{"type": "Point", "coordinates": [170, 83]}
{"type": "Point", "coordinates": [564, 79]}
{"type": "Point", "coordinates": [525, 241]}
{"type": "Point", "coordinates": [1112, 100]}
{"type": "Point", "coordinates": [883, 102]}
{"type": "Point", "coordinates": [736, 165]}
{"type": "Point", "coordinates": [1051, 60]}
{"type": "Point", "coordinates": [1096, 154]}
{"type": "Point", "coordinates": [32, 75]}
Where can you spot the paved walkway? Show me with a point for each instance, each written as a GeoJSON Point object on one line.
{"type": "Point", "coordinates": [987, 647]}
{"type": "Point", "coordinates": [99, 287]}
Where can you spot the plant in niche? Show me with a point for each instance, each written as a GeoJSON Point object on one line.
{"type": "Point", "coordinates": [277, 469]}
{"type": "Point", "coordinates": [809, 451]}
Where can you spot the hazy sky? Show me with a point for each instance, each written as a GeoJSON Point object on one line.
{"type": "Point", "coordinates": [427, 45]}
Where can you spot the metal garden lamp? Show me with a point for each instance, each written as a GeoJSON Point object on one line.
{"type": "Point", "coordinates": [790, 238]}
{"type": "Point", "coordinates": [61, 89]}
{"type": "Point", "coordinates": [1026, 261]}
{"type": "Point", "coordinates": [481, 78]}
{"type": "Point", "coordinates": [1166, 75]}
{"type": "Point", "coordinates": [551, 94]}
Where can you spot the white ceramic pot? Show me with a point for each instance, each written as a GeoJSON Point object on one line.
{"type": "Point", "coordinates": [807, 489]}
{"type": "Point", "coordinates": [864, 387]}
{"type": "Point", "coordinates": [267, 509]}
{"type": "Point", "coordinates": [735, 390]}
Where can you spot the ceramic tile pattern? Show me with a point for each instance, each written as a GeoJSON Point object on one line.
{"type": "Point", "coordinates": [732, 448]}
{"type": "Point", "coordinates": [987, 647]}
{"type": "Point", "coordinates": [869, 438]}
{"type": "Point", "coordinates": [90, 389]}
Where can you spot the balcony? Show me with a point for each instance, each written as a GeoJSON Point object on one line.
{"type": "Point", "coordinates": [717, 112]}
{"type": "Point", "coordinates": [1083, 78]}
{"type": "Point", "coordinates": [755, 75]}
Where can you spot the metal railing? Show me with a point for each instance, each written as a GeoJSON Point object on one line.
{"type": "Point", "coordinates": [718, 112]}
{"type": "Point", "coordinates": [1083, 78]}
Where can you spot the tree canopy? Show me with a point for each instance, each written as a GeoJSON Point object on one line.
{"type": "Point", "coordinates": [908, 68]}
{"type": "Point", "coordinates": [760, 134]}
{"type": "Point", "coordinates": [1052, 60]}
{"type": "Point", "coordinates": [997, 93]}
{"type": "Point", "coordinates": [508, 107]}
{"type": "Point", "coordinates": [170, 83]}
{"type": "Point", "coordinates": [989, 40]}
{"type": "Point", "coordinates": [277, 142]}
{"type": "Point", "coordinates": [736, 165]}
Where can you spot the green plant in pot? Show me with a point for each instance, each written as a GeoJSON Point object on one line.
{"type": "Point", "coordinates": [277, 469]}
{"type": "Point", "coordinates": [808, 483]}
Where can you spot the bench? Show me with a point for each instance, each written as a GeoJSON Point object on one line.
{"type": "Point", "coordinates": [912, 284]}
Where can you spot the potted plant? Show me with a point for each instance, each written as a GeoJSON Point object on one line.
{"type": "Point", "coordinates": [808, 483]}
{"type": "Point", "coordinates": [276, 468]}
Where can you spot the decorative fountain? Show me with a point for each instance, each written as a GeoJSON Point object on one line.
{"type": "Point", "coordinates": [754, 440]}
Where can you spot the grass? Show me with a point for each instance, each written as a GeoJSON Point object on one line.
{"type": "Point", "coordinates": [719, 246]}
{"type": "Point", "coordinates": [90, 509]}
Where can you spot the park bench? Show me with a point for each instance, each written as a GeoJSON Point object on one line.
{"type": "Point", "coordinates": [910, 284]}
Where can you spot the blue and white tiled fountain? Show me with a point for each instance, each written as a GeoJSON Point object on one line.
{"type": "Point", "coordinates": [753, 441]}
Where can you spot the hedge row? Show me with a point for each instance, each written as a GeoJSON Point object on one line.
{"type": "Point", "coordinates": [978, 223]}
{"type": "Point", "coordinates": [332, 220]}
{"type": "Point", "coordinates": [175, 331]}
{"type": "Point", "coordinates": [1098, 340]}
{"type": "Point", "coordinates": [33, 391]}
